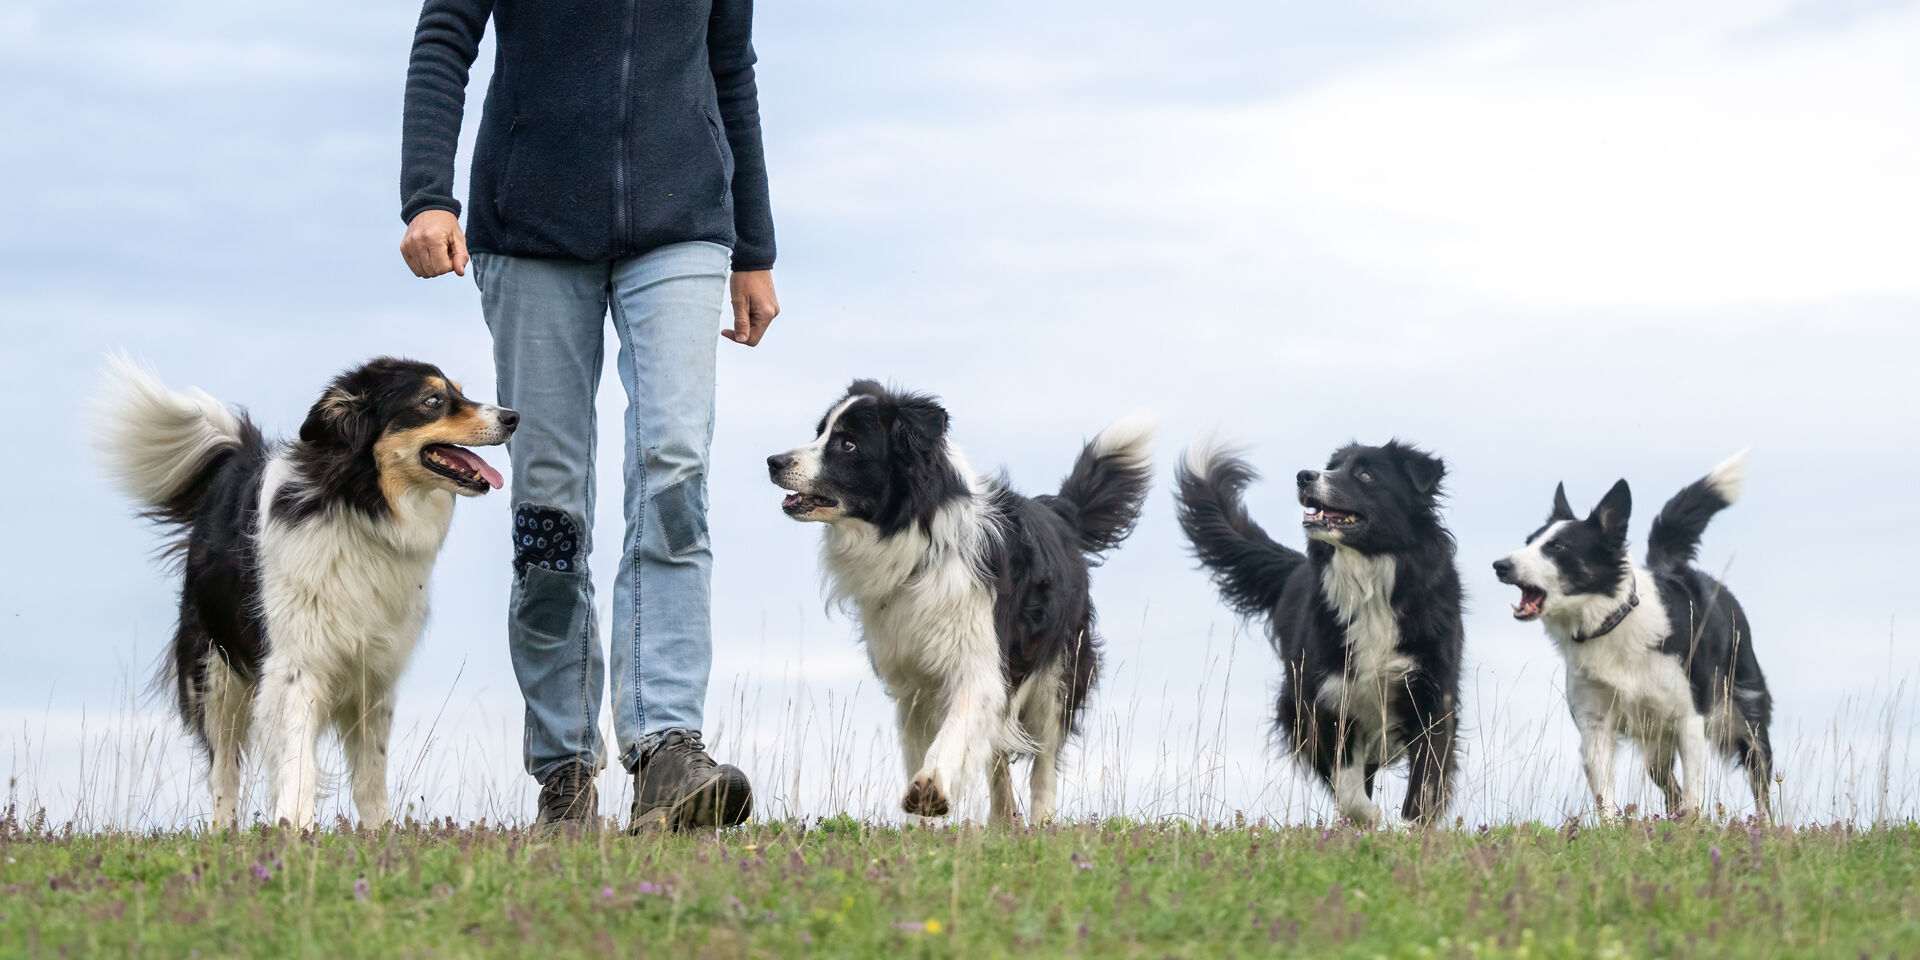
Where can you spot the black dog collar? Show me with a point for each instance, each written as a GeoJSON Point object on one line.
{"type": "Point", "coordinates": [1619, 615]}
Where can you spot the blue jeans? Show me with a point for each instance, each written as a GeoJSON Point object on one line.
{"type": "Point", "coordinates": [546, 317]}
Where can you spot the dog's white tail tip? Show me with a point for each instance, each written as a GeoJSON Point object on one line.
{"type": "Point", "coordinates": [1130, 437]}
{"type": "Point", "coordinates": [1730, 477]}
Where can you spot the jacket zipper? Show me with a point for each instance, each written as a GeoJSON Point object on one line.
{"type": "Point", "coordinates": [623, 116]}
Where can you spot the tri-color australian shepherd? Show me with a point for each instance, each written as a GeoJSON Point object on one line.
{"type": "Point", "coordinates": [304, 564]}
{"type": "Point", "coordinates": [973, 599]}
{"type": "Point", "coordinates": [1366, 621]}
{"type": "Point", "coordinates": [1660, 654]}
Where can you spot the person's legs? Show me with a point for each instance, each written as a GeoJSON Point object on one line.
{"type": "Point", "coordinates": [547, 319]}
{"type": "Point", "coordinates": [667, 309]}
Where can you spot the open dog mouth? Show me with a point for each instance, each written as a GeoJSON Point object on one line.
{"type": "Point", "coordinates": [460, 465]}
{"type": "Point", "coordinates": [801, 504]}
{"type": "Point", "coordinates": [1532, 600]}
{"type": "Point", "coordinates": [1323, 517]}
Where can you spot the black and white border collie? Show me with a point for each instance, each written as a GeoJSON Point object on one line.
{"type": "Point", "coordinates": [1366, 622]}
{"type": "Point", "coordinates": [1660, 654]}
{"type": "Point", "coordinates": [304, 564]}
{"type": "Point", "coordinates": [973, 599]}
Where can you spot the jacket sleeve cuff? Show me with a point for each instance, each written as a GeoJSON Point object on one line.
{"type": "Point", "coordinates": [421, 205]}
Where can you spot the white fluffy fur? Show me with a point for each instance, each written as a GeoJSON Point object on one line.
{"type": "Point", "coordinates": [1360, 588]}
{"type": "Point", "coordinates": [155, 438]}
{"type": "Point", "coordinates": [925, 604]}
{"type": "Point", "coordinates": [1621, 683]}
{"type": "Point", "coordinates": [1730, 477]}
{"type": "Point", "coordinates": [344, 598]}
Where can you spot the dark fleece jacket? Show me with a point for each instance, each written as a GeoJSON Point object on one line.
{"type": "Point", "coordinates": [611, 127]}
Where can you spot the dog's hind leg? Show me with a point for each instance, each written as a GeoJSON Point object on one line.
{"type": "Point", "coordinates": [227, 716]}
{"type": "Point", "coordinates": [1661, 756]}
{"type": "Point", "coordinates": [290, 710]}
{"type": "Point", "coordinates": [1000, 789]}
{"type": "Point", "coordinates": [365, 724]}
{"type": "Point", "coordinates": [1756, 755]}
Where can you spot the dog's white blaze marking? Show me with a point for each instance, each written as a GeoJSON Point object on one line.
{"type": "Point", "coordinates": [344, 600]}
{"type": "Point", "coordinates": [807, 460]}
{"type": "Point", "coordinates": [1360, 588]}
{"type": "Point", "coordinates": [1531, 566]}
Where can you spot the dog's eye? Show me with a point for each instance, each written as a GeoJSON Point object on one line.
{"type": "Point", "coordinates": [1365, 477]}
{"type": "Point", "coordinates": [432, 402]}
{"type": "Point", "coordinates": [1551, 546]}
{"type": "Point", "coordinates": [846, 446]}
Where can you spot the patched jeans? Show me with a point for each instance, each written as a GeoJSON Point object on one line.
{"type": "Point", "coordinates": [547, 320]}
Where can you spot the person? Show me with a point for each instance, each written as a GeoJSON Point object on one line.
{"type": "Point", "coordinates": [618, 167]}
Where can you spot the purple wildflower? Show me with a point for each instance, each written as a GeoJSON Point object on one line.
{"type": "Point", "coordinates": [1713, 853]}
{"type": "Point", "coordinates": [606, 893]}
{"type": "Point", "coordinates": [649, 889]}
{"type": "Point", "coordinates": [261, 873]}
{"type": "Point", "coordinates": [362, 889]}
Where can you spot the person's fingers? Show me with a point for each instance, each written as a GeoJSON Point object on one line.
{"type": "Point", "coordinates": [458, 243]}
{"type": "Point", "coordinates": [438, 259]}
{"type": "Point", "coordinates": [742, 331]}
{"type": "Point", "coordinates": [760, 324]}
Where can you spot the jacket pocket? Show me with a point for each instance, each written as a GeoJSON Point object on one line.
{"type": "Point", "coordinates": [504, 183]}
{"type": "Point", "coordinates": [721, 152]}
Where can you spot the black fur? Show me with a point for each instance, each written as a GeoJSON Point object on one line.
{"type": "Point", "coordinates": [1394, 490]}
{"type": "Point", "coordinates": [217, 519]}
{"type": "Point", "coordinates": [886, 463]}
{"type": "Point", "coordinates": [1708, 631]}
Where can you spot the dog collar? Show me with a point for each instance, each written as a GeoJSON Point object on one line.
{"type": "Point", "coordinates": [1619, 615]}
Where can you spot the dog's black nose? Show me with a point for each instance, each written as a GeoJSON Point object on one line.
{"type": "Point", "coordinates": [1503, 568]}
{"type": "Point", "coordinates": [778, 463]}
{"type": "Point", "coordinates": [1305, 477]}
{"type": "Point", "coordinates": [509, 418]}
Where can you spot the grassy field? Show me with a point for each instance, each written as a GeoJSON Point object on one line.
{"type": "Point", "coordinates": [845, 888]}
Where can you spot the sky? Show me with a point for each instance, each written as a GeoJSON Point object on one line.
{"type": "Point", "coordinates": [1552, 242]}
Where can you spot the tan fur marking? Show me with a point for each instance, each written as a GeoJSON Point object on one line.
{"type": "Point", "coordinates": [397, 455]}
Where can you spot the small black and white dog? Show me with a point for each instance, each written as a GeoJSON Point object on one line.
{"type": "Point", "coordinates": [1661, 654]}
{"type": "Point", "coordinates": [973, 599]}
{"type": "Point", "coordinates": [305, 564]}
{"type": "Point", "coordinates": [1366, 622]}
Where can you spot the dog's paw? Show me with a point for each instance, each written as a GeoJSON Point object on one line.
{"type": "Point", "coordinates": [925, 798]}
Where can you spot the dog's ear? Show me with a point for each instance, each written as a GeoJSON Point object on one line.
{"type": "Point", "coordinates": [1612, 513]}
{"type": "Point", "coordinates": [866, 388]}
{"type": "Point", "coordinates": [1425, 470]}
{"type": "Point", "coordinates": [340, 418]}
{"type": "Point", "coordinates": [1562, 510]}
{"type": "Point", "coordinates": [919, 423]}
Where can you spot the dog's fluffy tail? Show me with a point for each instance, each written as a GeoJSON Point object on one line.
{"type": "Point", "coordinates": [163, 447]}
{"type": "Point", "coordinates": [1675, 537]}
{"type": "Point", "coordinates": [1247, 565]}
{"type": "Point", "coordinates": [1102, 496]}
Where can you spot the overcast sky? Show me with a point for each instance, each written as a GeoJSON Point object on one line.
{"type": "Point", "coordinates": [1575, 241]}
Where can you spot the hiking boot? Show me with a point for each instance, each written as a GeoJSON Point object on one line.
{"type": "Point", "coordinates": [568, 797]}
{"type": "Point", "coordinates": [678, 787]}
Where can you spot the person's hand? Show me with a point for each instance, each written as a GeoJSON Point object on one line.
{"type": "Point", "coordinates": [754, 306]}
{"type": "Point", "coordinates": [434, 245]}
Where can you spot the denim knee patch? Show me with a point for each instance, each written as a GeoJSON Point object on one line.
{"type": "Point", "coordinates": [682, 516]}
{"type": "Point", "coordinates": [547, 604]}
{"type": "Point", "coordinates": [544, 537]}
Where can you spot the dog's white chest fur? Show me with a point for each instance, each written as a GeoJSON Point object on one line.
{"type": "Point", "coordinates": [345, 590]}
{"type": "Point", "coordinates": [1360, 589]}
{"type": "Point", "coordinates": [924, 610]}
{"type": "Point", "coordinates": [1623, 676]}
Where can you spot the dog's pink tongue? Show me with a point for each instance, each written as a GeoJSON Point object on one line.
{"type": "Point", "coordinates": [470, 460]}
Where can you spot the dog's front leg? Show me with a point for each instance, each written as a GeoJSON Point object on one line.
{"type": "Point", "coordinates": [965, 739]}
{"type": "Point", "coordinates": [1597, 743]}
{"type": "Point", "coordinates": [290, 715]}
{"type": "Point", "coordinates": [1693, 764]}
{"type": "Point", "coordinates": [365, 726]}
